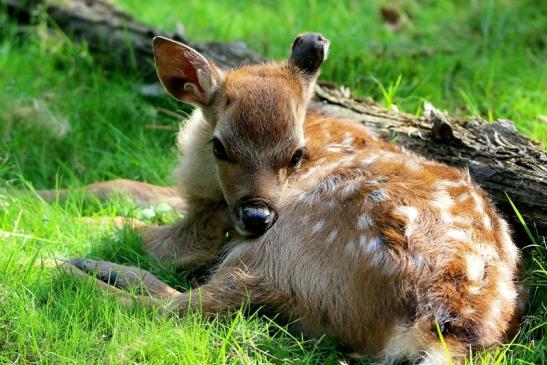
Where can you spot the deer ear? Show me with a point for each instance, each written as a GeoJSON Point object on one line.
{"type": "Point", "coordinates": [309, 51]}
{"type": "Point", "coordinates": [184, 72]}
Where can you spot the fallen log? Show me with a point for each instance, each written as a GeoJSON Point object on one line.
{"type": "Point", "coordinates": [504, 162]}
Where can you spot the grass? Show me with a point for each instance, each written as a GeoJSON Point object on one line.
{"type": "Point", "coordinates": [66, 121]}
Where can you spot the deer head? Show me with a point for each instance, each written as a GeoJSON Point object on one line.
{"type": "Point", "coordinates": [256, 113]}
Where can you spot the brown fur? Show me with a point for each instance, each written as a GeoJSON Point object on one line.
{"type": "Point", "coordinates": [373, 244]}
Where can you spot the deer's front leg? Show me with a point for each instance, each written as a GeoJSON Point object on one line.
{"type": "Point", "coordinates": [124, 297]}
{"type": "Point", "coordinates": [194, 240]}
{"type": "Point", "coordinates": [125, 277]}
{"type": "Point", "coordinates": [228, 289]}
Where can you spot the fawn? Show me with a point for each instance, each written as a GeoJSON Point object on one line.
{"type": "Point", "coordinates": [356, 237]}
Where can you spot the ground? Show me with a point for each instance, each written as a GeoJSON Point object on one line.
{"type": "Point", "coordinates": [65, 121]}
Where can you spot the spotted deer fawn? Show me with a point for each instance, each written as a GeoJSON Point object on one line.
{"type": "Point", "coordinates": [355, 237]}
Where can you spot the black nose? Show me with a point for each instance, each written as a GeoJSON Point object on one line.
{"type": "Point", "coordinates": [255, 215]}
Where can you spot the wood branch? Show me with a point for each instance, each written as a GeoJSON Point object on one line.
{"type": "Point", "coordinates": [498, 157]}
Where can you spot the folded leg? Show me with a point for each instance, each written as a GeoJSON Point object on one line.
{"type": "Point", "coordinates": [124, 297]}
{"type": "Point", "coordinates": [227, 290]}
{"type": "Point", "coordinates": [141, 193]}
{"type": "Point", "coordinates": [125, 277]}
{"type": "Point", "coordinates": [194, 240]}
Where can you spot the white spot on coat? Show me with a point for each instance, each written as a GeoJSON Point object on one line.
{"type": "Point", "coordinates": [349, 189]}
{"type": "Point", "coordinates": [373, 245]}
{"type": "Point", "coordinates": [410, 213]}
{"type": "Point", "coordinates": [364, 221]}
{"type": "Point", "coordinates": [368, 160]}
{"type": "Point", "coordinates": [463, 220]}
{"type": "Point", "coordinates": [443, 184]}
{"type": "Point", "coordinates": [348, 140]}
{"type": "Point", "coordinates": [332, 236]}
{"type": "Point", "coordinates": [350, 248]}
{"type": "Point", "coordinates": [495, 310]}
{"type": "Point", "coordinates": [462, 197]}
{"type": "Point", "coordinates": [479, 206]}
{"type": "Point", "coordinates": [475, 267]}
{"type": "Point", "coordinates": [486, 221]}
{"type": "Point", "coordinates": [467, 311]}
{"type": "Point", "coordinates": [363, 241]}
{"type": "Point", "coordinates": [442, 201]}
{"type": "Point", "coordinates": [339, 148]}
{"type": "Point", "coordinates": [317, 193]}
{"type": "Point", "coordinates": [413, 165]}
{"type": "Point", "coordinates": [347, 162]}
{"type": "Point", "coordinates": [378, 259]}
{"type": "Point", "coordinates": [318, 226]}
{"type": "Point", "coordinates": [456, 234]}
{"type": "Point", "coordinates": [378, 180]}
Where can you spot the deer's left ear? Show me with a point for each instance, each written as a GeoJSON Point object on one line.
{"type": "Point", "coordinates": [184, 72]}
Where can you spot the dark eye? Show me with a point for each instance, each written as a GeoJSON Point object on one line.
{"type": "Point", "coordinates": [219, 150]}
{"type": "Point", "coordinates": [298, 156]}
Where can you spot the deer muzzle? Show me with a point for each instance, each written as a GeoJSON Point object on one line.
{"type": "Point", "coordinates": [253, 216]}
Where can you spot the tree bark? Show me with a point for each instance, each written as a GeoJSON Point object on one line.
{"type": "Point", "coordinates": [500, 159]}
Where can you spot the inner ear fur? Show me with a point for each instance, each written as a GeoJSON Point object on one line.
{"type": "Point", "coordinates": [185, 73]}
